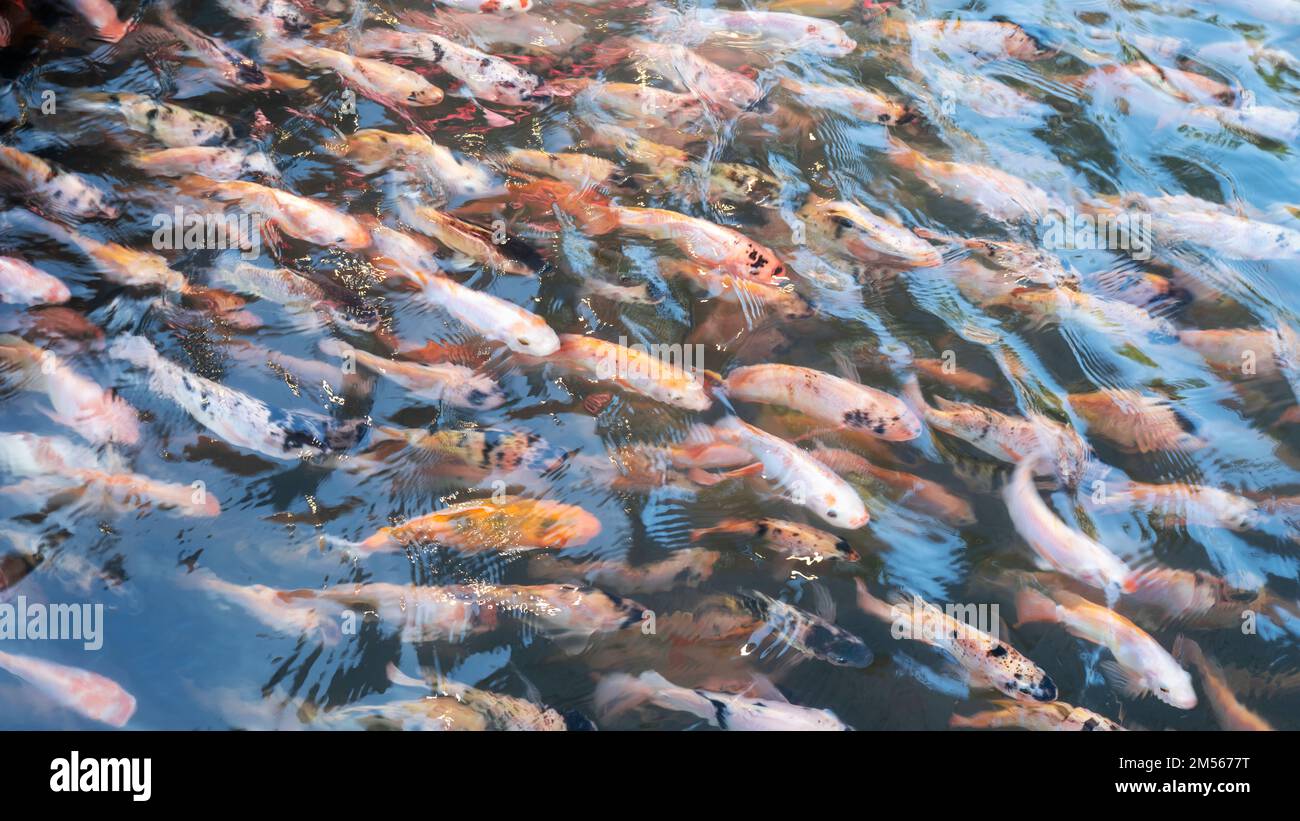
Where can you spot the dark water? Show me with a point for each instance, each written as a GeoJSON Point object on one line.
{"type": "Point", "coordinates": [193, 661]}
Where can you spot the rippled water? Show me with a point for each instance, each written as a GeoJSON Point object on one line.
{"type": "Point", "coordinates": [193, 660]}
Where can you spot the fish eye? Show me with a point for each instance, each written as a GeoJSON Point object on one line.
{"type": "Point", "coordinates": [522, 341]}
{"type": "Point", "coordinates": [830, 514]}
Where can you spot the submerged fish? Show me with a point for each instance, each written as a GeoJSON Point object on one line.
{"type": "Point", "coordinates": [481, 75]}
{"type": "Point", "coordinates": [388, 84]}
{"type": "Point", "coordinates": [456, 385]}
{"type": "Point", "coordinates": [798, 542]}
{"type": "Point", "coordinates": [633, 368]}
{"type": "Point", "coordinates": [169, 124]}
{"type": "Point", "coordinates": [1057, 716]}
{"type": "Point", "coordinates": [619, 693]}
{"type": "Point", "coordinates": [1140, 664]}
{"type": "Point", "coordinates": [806, 634]}
{"type": "Point", "coordinates": [62, 191]}
{"type": "Point", "coordinates": [1230, 712]}
{"type": "Point", "coordinates": [232, 415]}
{"type": "Point", "coordinates": [89, 694]}
{"type": "Point", "coordinates": [25, 284]}
{"type": "Point", "coordinates": [820, 395]}
{"type": "Point", "coordinates": [996, 193]}
{"type": "Point", "coordinates": [987, 661]}
{"type": "Point", "coordinates": [858, 233]}
{"type": "Point", "coordinates": [90, 410]}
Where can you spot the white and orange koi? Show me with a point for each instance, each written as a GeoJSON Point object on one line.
{"type": "Point", "coordinates": [836, 401]}
{"type": "Point", "coordinates": [1055, 717]}
{"type": "Point", "coordinates": [372, 150]}
{"type": "Point", "coordinates": [996, 193]}
{"type": "Point", "coordinates": [481, 75]}
{"type": "Point", "coordinates": [851, 229]}
{"type": "Point", "coordinates": [63, 191]}
{"type": "Point", "coordinates": [24, 284]}
{"type": "Point", "coordinates": [798, 542]}
{"type": "Point", "coordinates": [632, 368]}
{"type": "Point", "coordinates": [863, 103]}
{"type": "Point", "coordinates": [90, 410]}
{"type": "Point", "coordinates": [220, 163]}
{"type": "Point", "coordinates": [794, 32]}
{"type": "Point", "coordinates": [299, 217]}
{"type": "Point", "coordinates": [169, 124]}
{"type": "Point", "coordinates": [85, 693]}
{"type": "Point", "coordinates": [442, 382]}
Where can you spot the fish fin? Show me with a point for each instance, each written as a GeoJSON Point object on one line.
{"type": "Point", "coordinates": [870, 604]}
{"type": "Point", "coordinates": [1032, 606]}
{"type": "Point", "coordinates": [1188, 651]}
{"type": "Point", "coordinates": [1122, 680]}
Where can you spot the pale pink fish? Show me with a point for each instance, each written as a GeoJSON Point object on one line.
{"type": "Point", "coordinates": [836, 401]}
{"type": "Point", "coordinates": [722, 88]}
{"type": "Point", "coordinates": [442, 382]}
{"type": "Point", "coordinates": [981, 39]}
{"type": "Point", "coordinates": [867, 105]}
{"type": "Point", "coordinates": [492, 317]}
{"type": "Point", "coordinates": [852, 230]}
{"type": "Point", "coordinates": [299, 217]}
{"type": "Point", "coordinates": [646, 105]}
{"type": "Point", "coordinates": [117, 263]}
{"type": "Point", "coordinates": [388, 84]}
{"type": "Point", "coordinates": [1064, 548]}
{"type": "Point", "coordinates": [1140, 664]}
{"type": "Point", "coordinates": [372, 150]}
{"type": "Point", "coordinates": [782, 30]}
{"type": "Point", "coordinates": [801, 477]}
{"type": "Point", "coordinates": [25, 284]}
{"type": "Point", "coordinates": [482, 75]}
{"type": "Point", "coordinates": [215, 162]}
{"type": "Point", "coordinates": [89, 694]}
{"type": "Point", "coordinates": [78, 402]}
{"type": "Point", "coordinates": [62, 191]}
{"type": "Point", "coordinates": [172, 125]}
{"type": "Point", "coordinates": [633, 368]}
{"type": "Point", "coordinates": [529, 32]}
{"type": "Point", "coordinates": [503, 7]}
{"type": "Point", "coordinates": [996, 193]}
{"type": "Point", "coordinates": [1184, 218]}
{"type": "Point", "coordinates": [279, 610]}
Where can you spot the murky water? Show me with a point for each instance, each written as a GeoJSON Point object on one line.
{"type": "Point", "coordinates": [1108, 105]}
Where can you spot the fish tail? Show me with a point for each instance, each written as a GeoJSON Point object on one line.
{"type": "Point", "coordinates": [1032, 606]}
{"type": "Point", "coordinates": [730, 527]}
{"type": "Point", "coordinates": [335, 347]}
{"type": "Point", "coordinates": [354, 550]}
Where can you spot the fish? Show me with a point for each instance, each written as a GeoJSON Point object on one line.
{"type": "Point", "coordinates": [530, 32]}
{"type": "Point", "coordinates": [1172, 220]}
{"type": "Point", "coordinates": [456, 385]}
{"type": "Point", "coordinates": [1132, 420]}
{"type": "Point", "coordinates": [216, 162]}
{"type": "Point", "coordinates": [271, 18]}
{"type": "Point", "coordinates": [579, 170]}
{"type": "Point", "coordinates": [172, 125]}
{"type": "Point", "coordinates": [1065, 549]}
{"type": "Point", "coordinates": [485, 451]}
{"type": "Point", "coordinates": [987, 661]}
{"type": "Point", "coordinates": [235, 69]}
{"type": "Point", "coordinates": [299, 217]}
{"type": "Point", "coordinates": [481, 75]}
{"type": "Point", "coordinates": [96, 414]}
{"type": "Point", "coordinates": [1139, 666]}
{"type": "Point", "coordinates": [496, 711]}
{"type": "Point", "coordinates": [634, 369]}
{"type": "Point", "coordinates": [234, 416]}
{"type": "Point", "coordinates": [703, 242]}
{"type": "Point", "coordinates": [782, 30]}
{"type": "Point", "coordinates": [995, 193]}
{"type": "Point", "coordinates": [1232, 350]}
{"type": "Point", "coordinates": [1191, 597]}
{"type": "Point", "coordinates": [387, 84]}
{"type": "Point", "coordinates": [87, 694]}
{"type": "Point", "coordinates": [865, 104]}
{"type": "Point", "coordinates": [1011, 439]}
{"type": "Point", "coordinates": [805, 633]}
{"type": "Point", "coordinates": [60, 465]}
{"type": "Point", "coordinates": [469, 241]}
{"type": "Point", "coordinates": [492, 317]}
{"type": "Point", "coordinates": [679, 172]}
{"type": "Point", "coordinates": [103, 18]}
{"type": "Point", "coordinates": [1267, 122]}
{"type": "Point", "coordinates": [287, 612]}
{"type": "Point", "coordinates": [618, 693]}
{"type": "Point", "coordinates": [24, 284]}
{"type": "Point", "coordinates": [117, 263]}
{"type": "Point", "coordinates": [372, 150]}
{"type": "Point", "coordinates": [798, 542]}
{"type": "Point", "coordinates": [63, 191]}
{"type": "Point", "coordinates": [724, 90]}
{"type": "Point", "coordinates": [800, 477]}
{"type": "Point", "coordinates": [984, 95]}
{"type": "Point", "coordinates": [749, 294]}
{"type": "Point", "coordinates": [1056, 716]}
{"type": "Point", "coordinates": [294, 291]}
{"type": "Point", "coordinates": [851, 229]}
{"type": "Point", "coordinates": [983, 40]}
{"type": "Point", "coordinates": [1030, 263]}
{"type": "Point", "coordinates": [1184, 503]}
{"type": "Point", "coordinates": [914, 492]}
{"type": "Point", "coordinates": [642, 104]}
{"type": "Point", "coordinates": [820, 395]}
{"type": "Point", "coordinates": [1228, 710]}
{"type": "Point", "coordinates": [504, 523]}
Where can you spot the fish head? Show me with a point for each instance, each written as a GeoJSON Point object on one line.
{"type": "Point", "coordinates": [1039, 687]}
{"type": "Point", "coordinates": [838, 647]}
{"type": "Point", "coordinates": [1173, 686]}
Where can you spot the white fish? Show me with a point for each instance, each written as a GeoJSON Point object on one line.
{"type": "Point", "coordinates": [617, 693]}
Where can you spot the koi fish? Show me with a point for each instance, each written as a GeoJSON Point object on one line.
{"type": "Point", "coordinates": [85, 693]}
{"type": "Point", "coordinates": [1056, 716]}
{"type": "Point", "coordinates": [387, 84]}
{"type": "Point", "coordinates": [820, 395]}
{"type": "Point", "coordinates": [867, 105]}
{"type": "Point", "coordinates": [798, 475]}
{"type": "Point", "coordinates": [632, 368]}
{"type": "Point", "coordinates": [492, 317]}
{"type": "Point", "coordinates": [1062, 547]}
{"type": "Point", "coordinates": [682, 568]}
{"type": "Point", "coordinates": [987, 661]}
{"type": "Point", "coordinates": [470, 241]}
{"type": "Point", "coordinates": [1230, 712]}
{"type": "Point", "coordinates": [798, 542]}
{"type": "Point", "coordinates": [805, 633]}
{"type": "Point", "coordinates": [299, 217]}
{"type": "Point", "coordinates": [1133, 421]}
{"type": "Point", "coordinates": [117, 263]}
{"type": "Point", "coordinates": [25, 284]}
{"type": "Point", "coordinates": [794, 32]}
{"type": "Point", "coordinates": [849, 228]}
{"type": "Point", "coordinates": [456, 385]}
{"type": "Point", "coordinates": [171, 125]}
{"type": "Point", "coordinates": [618, 693]}
{"type": "Point", "coordinates": [1140, 665]}
{"type": "Point", "coordinates": [234, 416]}
{"type": "Point", "coordinates": [372, 150]}
{"type": "Point", "coordinates": [1000, 195]}
{"type": "Point", "coordinates": [914, 492]}
{"type": "Point", "coordinates": [219, 163]}
{"type": "Point", "coordinates": [481, 75]}
{"type": "Point", "coordinates": [508, 523]}
{"type": "Point", "coordinates": [77, 402]}
{"type": "Point", "coordinates": [62, 191]}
